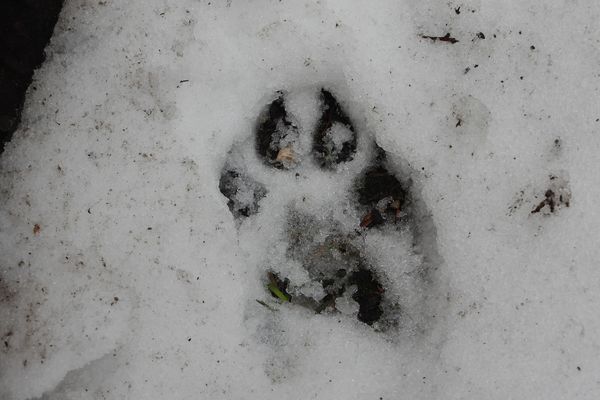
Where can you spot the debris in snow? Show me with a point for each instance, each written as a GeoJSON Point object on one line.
{"type": "Point", "coordinates": [556, 196]}
{"type": "Point", "coordinates": [446, 38]}
{"type": "Point", "coordinates": [286, 156]}
{"type": "Point", "coordinates": [278, 287]}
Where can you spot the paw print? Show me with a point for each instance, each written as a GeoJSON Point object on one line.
{"type": "Point", "coordinates": [335, 221]}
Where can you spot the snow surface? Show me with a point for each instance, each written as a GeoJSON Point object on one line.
{"type": "Point", "coordinates": [123, 274]}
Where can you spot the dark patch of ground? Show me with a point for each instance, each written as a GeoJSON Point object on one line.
{"type": "Point", "coordinates": [25, 28]}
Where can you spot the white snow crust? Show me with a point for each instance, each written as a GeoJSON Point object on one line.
{"type": "Point", "coordinates": [124, 275]}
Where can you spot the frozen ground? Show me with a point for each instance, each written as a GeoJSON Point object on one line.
{"type": "Point", "coordinates": [124, 274]}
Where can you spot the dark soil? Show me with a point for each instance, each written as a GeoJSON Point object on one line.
{"type": "Point", "coordinates": [382, 194]}
{"type": "Point", "coordinates": [25, 28]}
{"type": "Point", "coordinates": [368, 296]}
{"type": "Point", "coordinates": [378, 183]}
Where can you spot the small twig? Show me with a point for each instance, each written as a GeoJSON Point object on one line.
{"type": "Point", "coordinates": [262, 303]}
{"type": "Point", "coordinates": [445, 38]}
{"type": "Point", "coordinates": [548, 201]}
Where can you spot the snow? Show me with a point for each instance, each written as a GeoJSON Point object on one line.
{"type": "Point", "coordinates": [124, 275]}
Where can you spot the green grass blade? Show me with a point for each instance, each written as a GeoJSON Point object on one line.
{"type": "Point", "coordinates": [275, 290]}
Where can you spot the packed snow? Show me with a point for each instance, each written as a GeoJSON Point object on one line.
{"type": "Point", "coordinates": [124, 274]}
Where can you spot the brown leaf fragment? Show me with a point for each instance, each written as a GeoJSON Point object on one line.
{"type": "Point", "coordinates": [396, 208]}
{"type": "Point", "coordinates": [373, 218]}
{"type": "Point", "coordinates": [36, 229]}
{"type": "Point", "coordinates": [286, 155]}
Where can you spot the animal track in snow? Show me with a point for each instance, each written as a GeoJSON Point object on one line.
{"type": "Point", "coordinates": [338, 226]}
